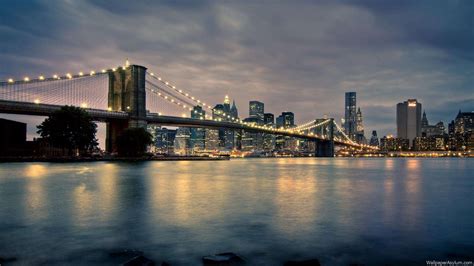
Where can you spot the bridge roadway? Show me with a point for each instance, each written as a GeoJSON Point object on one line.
{"type": "Point", "coordinates": [40, 109]}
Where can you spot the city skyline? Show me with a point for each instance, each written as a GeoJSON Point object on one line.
{"type": "Point", "coordinates": [224, 54]}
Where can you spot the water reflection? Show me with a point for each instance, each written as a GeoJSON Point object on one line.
{"type": "Point", "coordinates": [268, 210]}
{"type": "Point", "coordinates": [293, 218]}
{"type": "Point", "coordinates": [412, 192]}
{"type": "Point", "coordinates": [107, 185]}
{"type": "Point", "coordinates": [35, 170]}
{"type": "Point", "coordinates": [83, 207]}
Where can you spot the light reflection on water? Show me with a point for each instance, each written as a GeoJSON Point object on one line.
{"type": "Point", "coordinates": [269, 210]}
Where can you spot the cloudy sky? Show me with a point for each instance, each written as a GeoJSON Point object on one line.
{"type": "Point", "coordinates": [298, 56]}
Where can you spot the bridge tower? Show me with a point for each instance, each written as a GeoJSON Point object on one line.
{"type": "Point", "coordinates": [325, 148]}
{"type": "Point", "coordinates": [127, 94]}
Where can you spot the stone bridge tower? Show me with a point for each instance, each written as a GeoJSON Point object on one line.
{"type": "Point", "coordinates": [126, 94]}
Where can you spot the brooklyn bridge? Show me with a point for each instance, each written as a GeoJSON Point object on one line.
{"type": "Point", "coordinates": [131, 96]}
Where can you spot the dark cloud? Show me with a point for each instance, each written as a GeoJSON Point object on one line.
{"type": "Point", "coordinates": [299, 56]}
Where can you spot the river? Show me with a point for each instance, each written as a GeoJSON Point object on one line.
{"type": "Point", "coordinates": [384, 211]}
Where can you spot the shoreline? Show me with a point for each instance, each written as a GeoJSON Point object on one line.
{"type": "Point", "coordinates": [187, 158]}
{"type": "Point", "coordinates": [111, 159]}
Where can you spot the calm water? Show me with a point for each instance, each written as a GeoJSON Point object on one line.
{"type": "Point", "coordinates": [341, 211]}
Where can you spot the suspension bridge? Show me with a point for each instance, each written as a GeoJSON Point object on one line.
{"type": "Point", "coordinates": [131, 96]}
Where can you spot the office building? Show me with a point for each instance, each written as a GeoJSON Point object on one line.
{"type": "Point", "coordinates": [409, 120]}
{"type": "Point", "coordinates": [285, 120]}
{"type": "Point", "coordinates": [350, 115]}
{"type": "Point", "coordinates": [360, 136]}
{"type": "Point", "coordinates": [182, 141]}
{"type": "Point", "coordinates": [197, 135]}
{"type": "Point", "coordinates": [256, 110]}
{"type": "Point", "coordinates": [374, 140]}
{"type": "Point", "coordinates": [268, 119]}
{"type": "Point", "coordinates": [164, 140]}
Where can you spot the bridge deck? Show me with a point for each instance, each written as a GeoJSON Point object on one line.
{"type": "Point", "coordinates": [40, 109]}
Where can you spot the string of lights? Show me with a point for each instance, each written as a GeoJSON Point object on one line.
{"type": "Point", "coordinates": [165, 90]}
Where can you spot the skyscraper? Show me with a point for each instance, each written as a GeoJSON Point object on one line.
{"type": "Point", "coordinates": [350, 115]}
{"type": "Point", "coordinates": [256, 110]}
{"type": "Point", "coordinates": [360, 136]}
{"type": "Point", "coordinates": [269, 139]}
{"type": "Point", "coordinates": [269, 119]}
{"type": "Point", "coordinates": [286, 120]}
{"type": "Point", "coordinates": [409, 120]}
{"type": "Point", "coordinates": [164, 140]}
{"type": "Point", "coordinates": [424, 121]}
{"type": "Point", "coordinates": [374, 140]}
{"type": "Point", "coordinates": [223, 112]}
{"type": "Point", "coordinates": [181, 141]}
{"type": "Point", "coordinates": [197, 135]}
{"type": "Point", "coordinates": [233, 110]}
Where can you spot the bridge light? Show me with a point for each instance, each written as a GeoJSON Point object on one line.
{"type": "Point", "coordinates": [184, 106]}
{"type": "Point", "coordinates": [152, 74]}
{"type": "Point", "coordinates": [181, 91]}
{"type": "Point", "coordinates": [186, 94]}
{"type": "Point", "coordinates": [26, 79]}
{"type": "Point", "coordinates": [84, 105]}
{"type": "Point", "coordinates": [159, 93]}
{"type": "Point", "coordinates": [167, 83]}
{"type": "Point", "coordinates": [190, 109]}
{"type": "Point", "coordinates": [113, 69]}
{"type": "Point", "coordinates": [166, 97]}
{"type": "Point", "coordinates": [41, 78]}
{"type": "Point", "coordinates": [198, 101]}
{"type": "Point", "coordinates": [109, 109]}
{"type": "Point", "coordinates": [36, 101]}
{"type": "Point", "coordinates": [183, 115]}
{"type": "Point", "coordinates": [192, 98]}
{"type": "Point", "coordinates": [10, 80]}
{"type": "Point", "coordinates": [103, 70]}
{"type": "Point", "coordinates": [81, 74]}
{"type": "Point", "coordinates": [172, 100]}
{"type": "Point", "coordinates": [92, 73]}
{"type": "Point", "coordinates": [55, 76]}
{"type": "Point", "coordinates": [159, 78]}
{"type": "Point", "coordinates": [128, 107]}
{"type": "Point", "coordinates": [69, 76]}
{"type": "Point", "coordinates": [173, 87]}
{"type": "Point", "coordinates": [124, 67]}
{"type": "Point", "coordinates": [159, 113]}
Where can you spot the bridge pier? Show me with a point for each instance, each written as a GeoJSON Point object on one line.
{"type": "Point", "coordinates": [325, 148]}
{"type": "Point", "coordinates": [127, 94]}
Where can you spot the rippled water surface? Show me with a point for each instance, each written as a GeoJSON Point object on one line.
{"type": "Point", "coordinates": [341, 211]}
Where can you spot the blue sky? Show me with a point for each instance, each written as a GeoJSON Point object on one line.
{"type": "Point", "coordinates": [298, 56]}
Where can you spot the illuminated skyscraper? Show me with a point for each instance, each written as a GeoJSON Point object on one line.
{"type": "Point", "coordinates": [360, 136]}
{"type": "Point", "coordinates": [256, 110]}
{"type": "Point", "coordinates": [197, 135]}
{"type": "Point", "coordinates": [286, 120]}
{"type": "Point", "coordinates": [350, 115]}
{"type": "Point", "coordinates": [374, 140]}
{"type": "Point", "coordinates": [233, 110]}
{"type": "Point", "coordinates": [409, 120]}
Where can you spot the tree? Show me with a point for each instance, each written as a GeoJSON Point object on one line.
{"type": "Point", "coordinates": [70, 128]}
{"type": "Point", "coordinates": [133, 142]}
